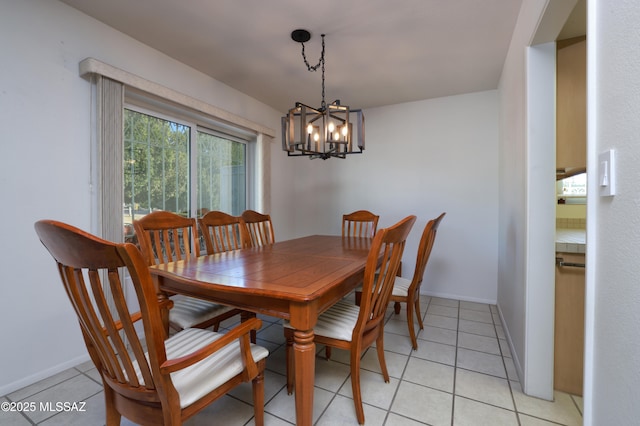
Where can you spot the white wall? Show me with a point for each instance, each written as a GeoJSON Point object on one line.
{"type": "Point", "coordinates": [513, 170]}
{"type": "Point", "coordinates": [425, 158]}
{"type": "Point", "coordinates": [421, 158]}
{"type": "Point", "coordinates": [612, 345]}
{"type": "Point", "coordinates": [612, 371]}
{"type": "Point", "coordinates": [527, 213]}
{"type": "Point", "coordinates": [541, 221]}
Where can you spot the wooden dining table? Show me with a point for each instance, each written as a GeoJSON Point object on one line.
{"type": "Point", "coordinates": [296, 279]}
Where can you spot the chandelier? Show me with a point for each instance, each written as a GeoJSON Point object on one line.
{"type": "Point", "coordinates": [333, 130]}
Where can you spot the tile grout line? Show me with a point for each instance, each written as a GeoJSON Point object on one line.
{"type": "Point", "coordinates": [335, 394]}
{"type": "Point", "coordinates": [411, 355]}
{"type": "Point", "coordinates": [23, 413]}
{"type": "Point", "coordinates": [455, 368]}
{"type": "Point", "coordinates": [576, 405]}
{"type": "Point", "coordinates": [266, 402]}
{"type": "Point", "coordinates": [404, 370]}
{"type": "Point", "coordinates": [80, 373]}
{"type": "Point", "coordinates": [504, 364]}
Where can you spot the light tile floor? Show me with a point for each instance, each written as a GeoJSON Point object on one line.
{"type": "Point", "coordinates": [461, 374]}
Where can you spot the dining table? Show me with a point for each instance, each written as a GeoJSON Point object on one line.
{"type": "Point", "coordinates": [296, 279]}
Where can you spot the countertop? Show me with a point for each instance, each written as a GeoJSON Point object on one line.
{"type": "Point", "coordinates": [570, 240]}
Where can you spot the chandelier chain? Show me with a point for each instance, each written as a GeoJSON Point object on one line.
{"type": "Point", "coordinates": [315, 68]}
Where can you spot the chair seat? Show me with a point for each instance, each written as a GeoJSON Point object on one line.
{"type": "Point", "coordinates": [401, 287]}
{"type": "Point", "coordinates": [188, 311]}
{"type": "Point", "coordinates": [337, 322]}
{"type": "Point", "coordinates": [193, 382]}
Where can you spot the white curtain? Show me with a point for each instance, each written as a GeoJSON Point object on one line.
{"type": "Point", "coordinates": [109, 149]}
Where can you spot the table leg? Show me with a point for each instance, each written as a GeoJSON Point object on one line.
{"type": "Point", "coordinates": [165, 306]}
{"type": "Point", "coordinates": [304, 352]}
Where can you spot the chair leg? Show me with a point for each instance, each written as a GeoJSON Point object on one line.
{"type": "Point", "coordinates": [355, 386]}
{"type": "Point", "coordinates": [288, 334]}
{"type": "Point", "coordinates": [381, 359]}
{"type": "Point", "coordinates": [258, 398]}
{"type": "Point", "coordinates": [412, 331]}
{"type": "Point", "coordinates": [111, 412]}
{"type": "Point", "coordinates": [327, 352]}
{"type": "Point", "coordinates": [418, 313]}
{"type": "Point", "coordinates": [172, 417]}
{"type": "Point", "coordinates": [396, 307]}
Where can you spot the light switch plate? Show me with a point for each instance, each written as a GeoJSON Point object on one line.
{"type": "Point", "coordinates": [607, 173]}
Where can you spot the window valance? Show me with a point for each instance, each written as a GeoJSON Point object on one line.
{"type": "Point", "coordinates": [92, 66]}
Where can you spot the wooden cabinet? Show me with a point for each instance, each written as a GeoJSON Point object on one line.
{"type": "Point", "coordinates": [571, 103]}
{"type": "Point", "coordinates": [569, 324]}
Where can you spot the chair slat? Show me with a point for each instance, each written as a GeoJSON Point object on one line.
{"type": "Point", "coordinates": [361, 223]}
{"type": "Point", "coordinates": [118, 346]}
{"type": "Point", "coordinates": [92, 323]}
{"type": "Point", "coordinates": [223, 232]}
{"type": "Point", "coordinates": [167, 237]}
{"type": "Point", "coordinates": [259, 227]}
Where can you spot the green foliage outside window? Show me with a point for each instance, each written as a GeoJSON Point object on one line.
{"type": "Point", "coordinates": [156, 164]}
{"type": "Point", "coordinates": [157, 169]}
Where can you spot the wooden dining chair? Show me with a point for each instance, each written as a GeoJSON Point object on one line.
{"type": "Point", "coordinates": [167, 237]}
{"type": "Point", "coordinates": [361, 223]}
{"type": "Point", "coordinates": [223, 232]}
{"type": "Point", "coordinates": [408, 291]}
{"type": "Point", "coordinates": [173, 378]}
{"type": "Point", "coordinates": [259, 228]}
{"type": "Point", "coordinates": [355, 328]}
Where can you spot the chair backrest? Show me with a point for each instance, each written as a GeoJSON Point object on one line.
{"type": "Point", "coordinates": [259, 227]}
{"type": "Point", "coordinates": [223, 232]}
{"type": "Point", "coordinates": [166, 237]}
{"type": "Point", "coordinates": [361, 223]}
{"type": "Point", "coordinates": [377, 284]}
{"type": "Point", "coordinates": [88, 265]}
{"type": "Point", "coordinates": [424, 251]}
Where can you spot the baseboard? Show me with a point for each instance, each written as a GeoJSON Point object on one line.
{"type": "Point", "coordinates": [29, 380]}
{"type": "Point", "coordinates": [514, 354]}
{"type": "Point", "coordinates": [458, 297]}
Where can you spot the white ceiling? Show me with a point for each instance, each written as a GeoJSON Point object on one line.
{"type": "Point", "coordinates": [378, 52]}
